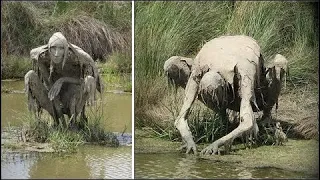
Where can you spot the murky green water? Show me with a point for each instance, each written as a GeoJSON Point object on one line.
{"type": "Point", "coordinates": [94, 162]}
{"type": "Point", "coordinates": [177, 165]}
{"type": "Point", "coordinates": [90, 162]}
{"type": "Point", "coordinates": [116, 108]}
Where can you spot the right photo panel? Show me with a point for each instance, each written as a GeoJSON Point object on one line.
{"type": "Point", "coordinates": [226, 89]}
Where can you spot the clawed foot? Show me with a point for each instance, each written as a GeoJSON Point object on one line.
{"type": "Point", "coordinates": [189, 146]}
{"type": "Point", "coordinates": [211, 149]}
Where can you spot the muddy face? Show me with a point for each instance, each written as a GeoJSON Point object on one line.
{"type": "Point", "coordinates": [58, 46]}
{"type": "Point", "coordinates": [178, 70]}
{"type": "Point", "coordinates": [57, 52]}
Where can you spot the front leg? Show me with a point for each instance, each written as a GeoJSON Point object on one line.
{"type": "Point", "coordinates": [181, 123]}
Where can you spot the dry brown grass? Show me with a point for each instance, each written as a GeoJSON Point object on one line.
{"type": "Point", "coordinates": [26, 25]}
{"type": "Point", "coordinates": [19, 23]}
{"type": "Point", "coordinates": [299, 106]}
{"type": "Point", "coordinates": [97, 38]}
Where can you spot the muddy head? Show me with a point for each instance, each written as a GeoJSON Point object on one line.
{"type": "Point", "coordinates": [58, 48]}
{"type": "Point", "coordinates": [178, 70]}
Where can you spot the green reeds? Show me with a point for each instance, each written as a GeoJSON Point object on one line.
{"type": "Point", "coordinates": [164, 29]}
{"type": "Point", "coordinates": [62, 139]}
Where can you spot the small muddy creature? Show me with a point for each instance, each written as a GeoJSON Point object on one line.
{"type": "Point", "coordinates": [279, 136]}
{"type": "Point", "coordinates": [282, 70]}
{"type": "Point", "coordinates": [63, 79]}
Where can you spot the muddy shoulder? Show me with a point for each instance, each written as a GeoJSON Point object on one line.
{"type": "Point", "coordinates": [295, 155]}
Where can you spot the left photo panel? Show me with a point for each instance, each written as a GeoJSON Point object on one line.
{"type": "Point", "coordinates": [66, 90]}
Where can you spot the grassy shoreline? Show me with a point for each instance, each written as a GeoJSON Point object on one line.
{"type": "Point", "coordinates": [295, 155]}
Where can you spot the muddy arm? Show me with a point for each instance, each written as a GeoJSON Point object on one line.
{"type": "Point", "coordinates": [90, 68]}
{"type": "Point", "coordinates": [54, 91]}
{"type": "Point", "coordinates": [181, 122]}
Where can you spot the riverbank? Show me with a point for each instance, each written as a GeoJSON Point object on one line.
{"type": "Point", "coordinates": [295, 155]}
{"type": "Point", "coordinates": [13, 140]}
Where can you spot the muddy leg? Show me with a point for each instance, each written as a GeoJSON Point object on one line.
{"type": "Point", "coordinates": [212, 89]}
{"type": "Point", "coordinates": [90, 89]}
{"type": "Point", "coordinates": [37, 91]}
{"type": "Point", "coordinates": [73, 117]}
{"type": "Point", "coordinates": [83, 115]}
{"type": "Point", "coordinates": [246, 114]}
{"type": "Point", "coordinates": [181, 123]}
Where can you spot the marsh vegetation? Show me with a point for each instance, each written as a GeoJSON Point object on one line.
{"type": "Point", "coordinates": [165, 29]}
{"type": "Point", "coordinates": [102, 29]}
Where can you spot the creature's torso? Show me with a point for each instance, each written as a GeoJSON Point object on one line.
{"type": "Point", "coordinates": [72, 67]}
{"type": "Point", "coordinates": [224, 53]}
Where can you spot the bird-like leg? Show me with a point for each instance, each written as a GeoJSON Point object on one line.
{"type": "Point", "coordinates": [181, 123]}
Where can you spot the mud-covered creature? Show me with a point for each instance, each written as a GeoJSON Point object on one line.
{"type": "Point", "coordinates": [63, 80]}
{"type": "Point", "coordinates": [279, 136]}
{"type": "Point", "coordinates": [227, 73]}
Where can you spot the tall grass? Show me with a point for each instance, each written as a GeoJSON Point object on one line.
{"type": "Point", "coordinates": [164, 29]}
{"type": "Point", "coordinates": [13, 66]}
{"type": "Point", "coordinates": [100, 28]}
{"type": "Point", "coordinates": [20, 25]}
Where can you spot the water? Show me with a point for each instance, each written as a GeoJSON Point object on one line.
{"type": "Point", "coordinates": [177, 165]}
{"type": "Point", "coordinates": [116, 108]}
{"type": "Point", "coordinates": [90, 162]}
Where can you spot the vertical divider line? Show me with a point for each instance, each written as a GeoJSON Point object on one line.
{"type": "Point", "coordinates": [132, 87]}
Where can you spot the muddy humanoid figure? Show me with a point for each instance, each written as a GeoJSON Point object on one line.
{"type": "Point", "coordinates": [63, 80]}
{"type": "Point", "coordinates": [227, 73]}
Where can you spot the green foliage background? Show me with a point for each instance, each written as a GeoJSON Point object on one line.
{"type": "Point", "coordinates": [27, 25]}
{"type": "Point", "coordinates": [165, 29]}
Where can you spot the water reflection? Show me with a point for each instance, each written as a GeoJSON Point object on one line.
{"type": "Point", "coordinates": [115, 164]}
{"type": "Point", "coordinates": [12, 166]}
{"type": "Point", "coordinates": [185, 166]}
{"type": "Point", "coordinates": [90, 162]}
{"type": "Point", "coordinates": [244, 174]}
{"type": "Point", "coordinates": [176, 165]}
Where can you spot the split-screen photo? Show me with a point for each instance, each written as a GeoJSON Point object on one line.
{"type": "Point", "coordinates": [159, 90]}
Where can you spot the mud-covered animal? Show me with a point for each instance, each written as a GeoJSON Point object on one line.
{"type": "Point", "coordinates": [279, 136]}
{"type": "Point", "coordinates": [63, 79]}
{"type": "Point", "coordinates": [281, 65]}
{"type": "Point", "coordinates": [275, 74]}
{"type": "Point", "coordinates": [227, 73]}
{"type": "Point", "coordinates": [178, 70]}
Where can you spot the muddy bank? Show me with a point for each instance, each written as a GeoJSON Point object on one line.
{"type": "Point", "coordinates": [295, 155]}
{"type": "Point", "coordinates": [12, 140]}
